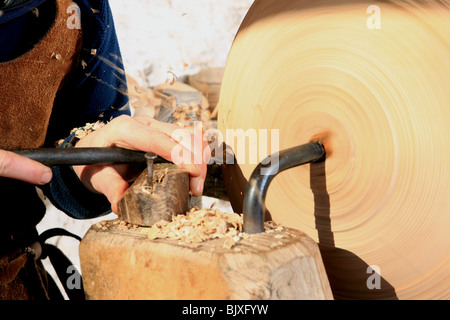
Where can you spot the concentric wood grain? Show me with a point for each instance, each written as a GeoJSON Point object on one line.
{"type": "Point", "coordinates": [379, 99]}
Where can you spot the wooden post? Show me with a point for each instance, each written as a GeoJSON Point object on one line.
{"type": "Point", "coordinates": [168, 196]}
{"type": "Point", "coordinates": [125, 264]}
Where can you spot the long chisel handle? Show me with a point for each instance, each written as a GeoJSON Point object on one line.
{"type": "Point", "coordinates": [83, 156]}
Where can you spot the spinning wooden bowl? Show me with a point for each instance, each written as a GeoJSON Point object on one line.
{"type": "Point", "coordinates": [373, 85]}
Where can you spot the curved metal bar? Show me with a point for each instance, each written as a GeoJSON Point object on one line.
{"type": "Point", "coordinates": [255, 195]}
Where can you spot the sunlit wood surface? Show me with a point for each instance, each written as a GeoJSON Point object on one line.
{"type": "Point", "coordinates": [379, 100]}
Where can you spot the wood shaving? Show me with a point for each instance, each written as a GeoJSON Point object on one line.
{"type": "Point", "coordinates": [35, 12]}
{"type": "Point", "coordinates": [121, 225]}
{"type": "Point", "coordinates": [272, 227]}
{"type": "Point", "coordinates": [172, 77]}
{"type": "Point", "coordinates": [81, 132]}
{"type": "Point", "coordinates": [57, 56]}
{"type": "Point", "coordinates": [160, 176]}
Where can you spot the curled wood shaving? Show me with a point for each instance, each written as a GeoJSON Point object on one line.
{"type": "Point", "coordinates": [172, 77]}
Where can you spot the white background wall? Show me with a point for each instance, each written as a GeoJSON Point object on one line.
{"type": "Point", "coordinates": [156, 36]}
{"type": "Point", "coordinates": [178, 35]}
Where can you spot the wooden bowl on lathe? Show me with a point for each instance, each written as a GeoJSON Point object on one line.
{"type": "Point", "coordinates": [371, 83]}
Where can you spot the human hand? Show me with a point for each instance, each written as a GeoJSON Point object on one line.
{"type": "Point", "coordinates": [137, 133]}
{"type": "Point", "coordinates": [18, 167]}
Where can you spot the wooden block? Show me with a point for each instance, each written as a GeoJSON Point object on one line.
{"type": "Point", "coordinates": [125, 264]}
{"type": "Point", "coordinates": [169, 196]}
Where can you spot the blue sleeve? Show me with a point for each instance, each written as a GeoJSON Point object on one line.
{"type": "Point", "coordinates": [68, 194]}
{"type": "Point", "coordinates": [97, 90]}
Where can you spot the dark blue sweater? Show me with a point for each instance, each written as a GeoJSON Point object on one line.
{"type": "Point", "coordinates": [96, 91]}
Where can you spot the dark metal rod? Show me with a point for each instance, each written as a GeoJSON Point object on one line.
{"type": "Point", "coordinates": [255, 195]}
{"type": "Point", "coordinates": [83, 156]}
{"type": "Point", "coordinates": [150, 158]}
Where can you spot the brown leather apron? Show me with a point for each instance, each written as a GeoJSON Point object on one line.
{"type": "Point", "coordinates": [30, 82]}
{"type": "Point", "coordinates": [28, 86]}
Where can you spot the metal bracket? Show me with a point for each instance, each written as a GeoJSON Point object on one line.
{"type": "Point", "coordinates": [255, 195]}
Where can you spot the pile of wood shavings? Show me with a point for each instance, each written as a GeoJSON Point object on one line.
{"type": "Point", "coordinates": [199, 225]}
{"type": "Point", "coordinates": [88, 128]}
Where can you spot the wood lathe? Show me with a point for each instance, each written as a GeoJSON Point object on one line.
{"type": "Point", "coordinates": [123, 263]}
{"type": "Point", "coordinates": [369, 81]}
